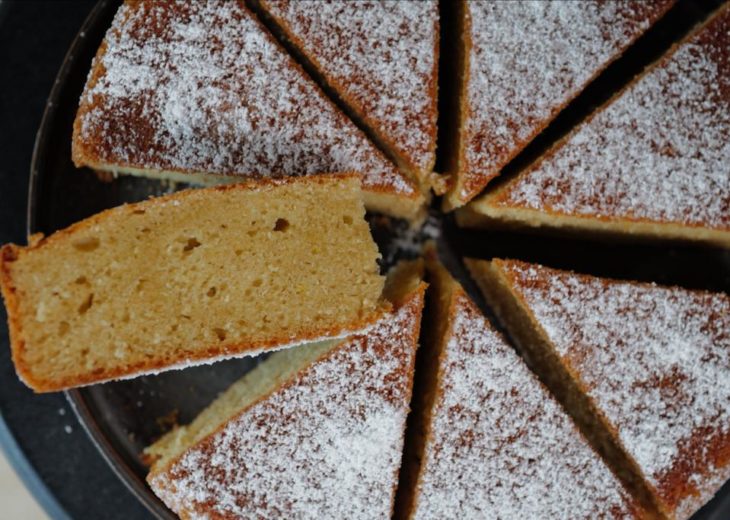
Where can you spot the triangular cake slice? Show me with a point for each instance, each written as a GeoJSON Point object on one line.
{"type": "Point", "coordinates": [381, 59]}
{"type": "Point", "coordinates": [521, 63]}
{"type": "Point", "coordinates": [645, 367]}
{"type": "Point", "coordinates": [312, 432]}
{"type": "Point", "coordinates": [652, 162]}
{"type": "Point", "coordinates": [190, 278]}
{"type": "Point", "coordinates": [194, 90]}
{"type": "Point", "coordinates": [492, 442]}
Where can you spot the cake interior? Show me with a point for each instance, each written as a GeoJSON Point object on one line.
{"type": "Point", "coordinates": [193, 276]}
{"type": "Point", "coordinates": [544, 361]}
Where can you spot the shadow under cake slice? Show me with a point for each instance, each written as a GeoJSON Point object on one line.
{"type": "Point", "coordinates": [200, 91]}
{"type": "Point", "coordinates": [652, 162]}
{"type": "Point", "coordinates": [190, 278]}
{"type": "Point", "coordinates": [644, 369]}
{"type": "Point", "coordinates": [490, 441]}
{"type": "Point", "coordinates": [315, 431]}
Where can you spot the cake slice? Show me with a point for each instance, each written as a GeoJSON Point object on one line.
{"type": "Point", "coordinates": [645, 368]}
{"type": "Point", "coordinates": [651, 162]}
{"type": "Point", "coordinates": [193, 91]}
{"type": "Point", "coordinates": [520, 63]}
{"type": "Point", "coordinates": [312, 432]}
{"type": "Point", "coordinates": [189, 278]}
{"type": "Point", "coordinates": [381, 59]}
{"type": "Point", "coordinates": [491, 441]}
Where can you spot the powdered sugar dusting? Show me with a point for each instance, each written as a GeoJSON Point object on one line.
{"type": "Point", "coordinates": [202, 87]}
{"type": "Point", "coordinates": [656, 360]}
{"type": "Point", "coordinates": [326, 446]}
{"type": "Point", "coordinates": [501, 447]}
{"type": "Point", "coordinates": [383, 55]}
{"type": "Point", "coordinates": [528, 59]}
{"type": "Point", "coordinates": [658, 152]}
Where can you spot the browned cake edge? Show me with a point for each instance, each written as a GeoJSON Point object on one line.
{"type": "Point", "coordinates": [475, 185]}
{"type": "Point", "coordinates": [404, 282]}
{"type": "Point", "coordinates": [481, 214]}
{"type": "Point", "coordinates": [441, 300]}
{"type": "Point", "coordinates": [355, 110]}
{"type": "Point", "coordinates": [542, 358]}
{"type": "Point", "coordinates": [487, 212]}
{"type": "Point", "coordinates": [10, 253]}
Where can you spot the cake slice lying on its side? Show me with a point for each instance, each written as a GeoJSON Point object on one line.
{"type": "Point", "coordinates": [646, 369]}
{"type": "Point", "coordinates": [653, 162]}
{"type": "Point", "coordinates": [313, 432]}
{"type": "Point", "coordinates": [193, 91]}
{"type": "Point", "coordinates": [491, 441]}
{"type": "Point", "coordinates": [190, 278]}
{"type": "Point", "coordinates": [520, 64]}
{"type": "Point", "coordinates": [381, 60]}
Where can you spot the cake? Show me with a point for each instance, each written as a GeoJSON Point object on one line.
{"type": "Point", "coordinates": [645, 368]}
{"type": "Point", "coordinates": [381, 60]}
{"type": "Point", "coordinates": [312, 432]}
{"type": "Point", "coordinates": [492, 442]}
{"type": "Point", "coordinates": [652, 162]}
{"type": "Point", "coordinates": [190, 278]}
{"type": "Point", "coordinates": [200, 91]}
{"type": "Point", "coordinates": [520, 64]}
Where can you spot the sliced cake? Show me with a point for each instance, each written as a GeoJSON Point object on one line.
{"type": "Point", "coordinates": [381, 58]}
{"type": "Point", "coordinates": [645, 368]}
{"type": "Point", "coordinates": [190, 278]}
{"type": "Point", "coordinates": [492, 442]}
{"type": "Point", "coordinates": [651, 162]}
{"type": "Point", "coordinates": [313, 432]}
{"type": "Point", "coordinates": [521, 63]}
{"type": "Point", "coordinates": [193, 91]}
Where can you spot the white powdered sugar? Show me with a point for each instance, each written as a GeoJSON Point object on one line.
{"type": "Point", "coordinates": [656, 361]}
{"type": "Point", "coordinates": [383, 55]}
{"type": "Point", "coordinates": [328, 445]}
{"type": "Point", "coordinates": [528, 59]}
{"type": "Point", "coordinates": [501, 447]}
{"type": "Point", "coordinates": [202, 87]}
{"type": "Point", "coordinates": [658, 152]}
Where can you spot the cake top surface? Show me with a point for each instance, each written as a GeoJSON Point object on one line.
{"type": "Point", "coordinates": [500, 446]}
{"type": "Point", "coordinates": [657, 152]}
{"type": "Point", "coordinates": [656, 361]}
{"type": "Point", "coordinates": [382, 54]}
{"type": "Point", "coordinates": [326, 445]}
{"type": "Point", "coordinates": [530, 58]}
{"type": "Point", "coordinates": [203, 87]}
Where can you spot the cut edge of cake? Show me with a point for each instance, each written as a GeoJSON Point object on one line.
{"type": "Point", "coordinates": [486, 212]}
{"type": "Point", "coordinates": [354, 110]}
{"type": "Point", "coordinates": [535, 346]}
{"type": "Point", "coordinates": [462, 192]}
{"type": "Point", "coordinates": [11, 253]}
{"type": "Point", "coordinates": [404, 287]}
